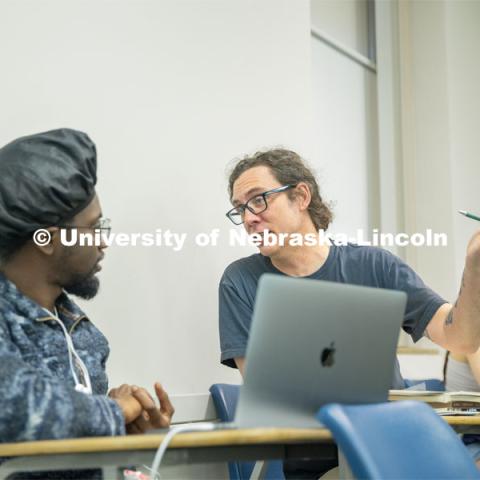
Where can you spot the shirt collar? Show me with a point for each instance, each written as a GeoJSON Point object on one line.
{"type": "Point", "coordinates": [70, 312]}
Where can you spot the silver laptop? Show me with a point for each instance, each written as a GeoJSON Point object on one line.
{"type": "Point", "coordinates": [314, 342]}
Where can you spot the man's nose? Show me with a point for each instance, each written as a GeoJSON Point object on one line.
{"type": "Point", "coordinates": [250, 218]}
{"type": "Point", "coordinates": [103, 242]}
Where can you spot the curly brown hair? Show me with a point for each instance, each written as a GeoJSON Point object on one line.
{"type": "Point", "coordinates": [288, 168]}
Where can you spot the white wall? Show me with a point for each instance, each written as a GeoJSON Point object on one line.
{"type": "Point", "coordinates": [345, 138]}
{"type": "Point", "coordinates": [345, 21]}
{"type": "Point", "coordinates": [345, 122]}
{"type": "Point", "coordinates": [436, 73]}
{"type": "Point", "coordinates": [463, 41]}
{"type": "Point", "coordinates": [441, 76]}
{"type": "Point", "coordinates": [170, 91]}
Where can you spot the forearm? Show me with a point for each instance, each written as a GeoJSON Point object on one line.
{"type": "Point", "coordinates": [34, 407]}
{"type": "Point", "coordinates": [462, 324]}
{"type": "Point", "coordinates": [240, 363]}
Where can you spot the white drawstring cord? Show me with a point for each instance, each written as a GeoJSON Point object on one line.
{"type": "Point", "coordinates": [79, 387]}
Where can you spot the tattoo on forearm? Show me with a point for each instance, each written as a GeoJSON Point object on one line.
{"type": "Point", "coordinates": [449, 319]}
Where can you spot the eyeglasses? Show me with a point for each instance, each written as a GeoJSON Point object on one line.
{"type": "Point", "coordinates": [103, 224]}
{"type": "Point", "coordinates": [257, 204]}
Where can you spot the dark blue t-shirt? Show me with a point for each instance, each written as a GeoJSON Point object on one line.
{"type": "Point", "coordinates": [357, 265]}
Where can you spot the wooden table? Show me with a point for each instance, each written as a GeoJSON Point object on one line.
{"type": "Point", "coordinates": [464, 424]}
{"type": "Point", "coordinates": [110, 453]}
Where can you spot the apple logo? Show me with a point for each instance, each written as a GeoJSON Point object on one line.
{"type": "Point", "coordinates": [327, 356]}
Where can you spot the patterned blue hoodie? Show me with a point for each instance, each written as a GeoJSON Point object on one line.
{"type": "Point", "coordinates": [37, 391]}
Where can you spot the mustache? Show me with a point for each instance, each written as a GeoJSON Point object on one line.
{"type": "Point", "coordinates": [92, 272]}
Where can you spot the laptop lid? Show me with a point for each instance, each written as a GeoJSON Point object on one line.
{"type": "Point", "coordinates": [314, 342]}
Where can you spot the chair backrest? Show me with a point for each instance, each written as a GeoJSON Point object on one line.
{"type": "Point", "coordinates": [225, 398]}
{"type": "Point", "coordinates": [404, 439]}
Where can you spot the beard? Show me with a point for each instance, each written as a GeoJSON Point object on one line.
{"type": "Point", "coordinates": [81, 284]}
{"type": "Point", "coordinates": [85, 286]}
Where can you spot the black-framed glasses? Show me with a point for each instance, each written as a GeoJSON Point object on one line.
{"type": "Point", "coordinates": [257, 204]}
{"type": "Point", "coordinates": [103, 224]}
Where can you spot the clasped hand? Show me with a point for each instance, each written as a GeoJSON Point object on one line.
{"type": "Point", "coordinates": [140, 410]}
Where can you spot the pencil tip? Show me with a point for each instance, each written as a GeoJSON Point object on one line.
{"type": "Point", "coordinates": [463, 212]}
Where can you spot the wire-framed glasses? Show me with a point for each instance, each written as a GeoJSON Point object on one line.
{"type": "Point", "coordinates": [103, 224]}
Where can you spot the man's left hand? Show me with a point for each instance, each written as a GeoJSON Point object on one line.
{"type": "Point", "coordinates": [151, 416]}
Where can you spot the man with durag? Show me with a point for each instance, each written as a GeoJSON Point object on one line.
{"type": "Point", "coordinates": [53, 382]}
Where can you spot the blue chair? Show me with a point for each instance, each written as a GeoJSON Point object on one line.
{"type": "Point", "coordinates": [225, 398]}
{"type": "Point", "coordinates": [395, 440]}
{"type": "Point", "coordinates": [433, 384]}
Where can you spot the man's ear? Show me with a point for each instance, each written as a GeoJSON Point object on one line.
{"type": "Point", "coordinates": [303, 195]}
{"type": "Point", "coordinates": [47, 240]}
